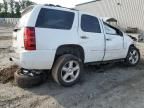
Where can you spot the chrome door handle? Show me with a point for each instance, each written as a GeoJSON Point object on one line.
{"type": "Point", "coordinates": [84, 37]}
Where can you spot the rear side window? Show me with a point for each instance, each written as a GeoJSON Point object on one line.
{"type": "Point", "coordinates": [55, 19]}
{"type": "Point", "coordinates": [90, 24]}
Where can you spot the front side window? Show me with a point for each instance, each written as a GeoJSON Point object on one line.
{"type": "Point", "coordinates": [109, 30]}
{"type": "Point", "coordinates": [55, 19]}
{"type": "Point", "coordinates": [112, 30]}
{"type": "Point", "coordinates": [90, 24]}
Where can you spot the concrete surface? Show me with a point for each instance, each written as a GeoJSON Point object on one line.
{"type": "Point", "coordinates": [5, 35]}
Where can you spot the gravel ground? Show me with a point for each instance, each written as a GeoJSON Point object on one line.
{"type": "Point", "coordinates": [5, 44]}
{"type": "Point", "coordinates": [116, 86]}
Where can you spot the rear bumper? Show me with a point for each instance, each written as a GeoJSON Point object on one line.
{"type": "Point", "coordinates": [35, 59]}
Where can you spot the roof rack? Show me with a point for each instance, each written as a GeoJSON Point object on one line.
{"type": "Point", "coordinates": [87, 2]}
{"type": "Point", "coordinates": [59, 6]}
{"type": "Point", "coordinates": [50, 5]}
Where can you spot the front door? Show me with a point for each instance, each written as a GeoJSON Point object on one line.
{"type": "Point", "coordinates": [114, 43]}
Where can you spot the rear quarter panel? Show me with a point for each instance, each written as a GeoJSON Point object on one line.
{"type": "Point", "coordinates": [33, 16]}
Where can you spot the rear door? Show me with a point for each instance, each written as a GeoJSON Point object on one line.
{"type": "Point", "coordinates": [91, 37]}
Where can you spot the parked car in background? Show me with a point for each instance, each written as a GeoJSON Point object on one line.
{"type": "Point", "coordinates": [62, 40]}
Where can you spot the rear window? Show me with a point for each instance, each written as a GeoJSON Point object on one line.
{"type": "Point", "coordinates": [55, 19]}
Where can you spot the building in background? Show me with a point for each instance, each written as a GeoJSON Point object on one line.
{"type": "Point", "coordinates": [129, 13]}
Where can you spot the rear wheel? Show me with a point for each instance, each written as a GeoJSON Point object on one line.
{"type": "Point", "coordinates": [67, 70]}
{"type": "Point", "coordinates": [133, 56]}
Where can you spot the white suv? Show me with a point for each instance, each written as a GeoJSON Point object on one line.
{"type": "Point", "coordinates": [60, 39]}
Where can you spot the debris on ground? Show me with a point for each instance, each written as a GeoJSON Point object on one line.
{"type": "Point", "coordinates": [7, 74]}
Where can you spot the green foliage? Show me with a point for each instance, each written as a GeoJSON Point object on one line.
{"type": "Point", "coordinates": [5, 6]}
{"type": "Point", "coordinates": [1, 6]}
{"type": "Point", "coordinates": [13, 8]}
{"type": "Point", "coordinates": [17, 9]}
{"type": "Point", "coordinates": [25, 3]}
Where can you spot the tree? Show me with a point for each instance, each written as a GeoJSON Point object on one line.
{"type": "Point", "coordinates": [17, 9]}
{"type": "Point", "coordinates": [5, 7]}
{"type": "Point", "coordinates": [12, 2]}
{"type": "Point", "coordinates": [25, 3]}
{"type": "Point", "coordinates": [14, 7]}
{"type": "Point", "coordinates": [1, 6]}
{"type": "Point", "coordinates": [28, 3]}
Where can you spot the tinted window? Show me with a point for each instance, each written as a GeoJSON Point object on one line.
{"type": "Point", "coordinates": [90, 24]}
{"type": "Point", "coordinates": [56, 19]}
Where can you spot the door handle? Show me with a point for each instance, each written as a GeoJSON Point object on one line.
{"type": "Point", "coordinates": [84, 37]}
{"type": "Point", "coordinates": [109, 39]}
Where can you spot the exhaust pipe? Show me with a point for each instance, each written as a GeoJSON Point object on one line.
{"type": "Point", "coordinates": [16, 61]}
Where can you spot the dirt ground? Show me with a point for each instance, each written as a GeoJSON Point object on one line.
{"type": "Point", "coordinates": [116, 86]}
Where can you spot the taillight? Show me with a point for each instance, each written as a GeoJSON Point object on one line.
{"type": "Point", "coordinates": [29, 38]}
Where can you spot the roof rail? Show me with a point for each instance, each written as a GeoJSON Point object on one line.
{"type": "Point", "coordinates": [87, 2]}
{"type": "Point", "coordinates": [49, 5]}
{"type": "Point", "coordinates": [59, 6]}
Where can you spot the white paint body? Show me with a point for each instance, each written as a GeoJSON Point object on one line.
{"type": "Point", "coordinates": [96, 47]}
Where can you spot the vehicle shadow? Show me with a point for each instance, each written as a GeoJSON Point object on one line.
{"type": "Point", "coordinates": [95, 82]}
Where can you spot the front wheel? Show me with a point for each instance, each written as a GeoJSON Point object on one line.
{"type": "Point", "coordinates": [133, 56]}
{"type": "Point", "coordinates": [67, 69]}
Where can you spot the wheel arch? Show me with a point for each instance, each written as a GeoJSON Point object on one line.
{"type": "Point", "coordinates": [131, 45]}
{"type": "Point", "coordinates": [73, 49]}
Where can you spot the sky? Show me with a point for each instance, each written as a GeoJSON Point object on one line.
{"type": "Point", "coordinates": [65, 3]}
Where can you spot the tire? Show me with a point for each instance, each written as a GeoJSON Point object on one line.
{"type": "Point", "coordinates": [133, 56]}
{"type": "Point", "coordinates": [25, 81]}
{"type": "Point", "coordinates": [67, 70]}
